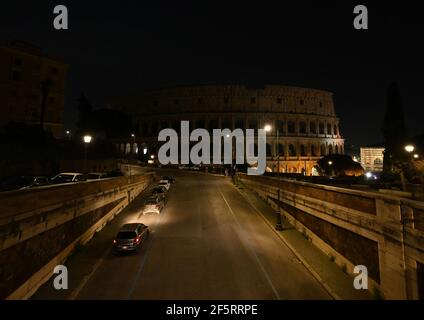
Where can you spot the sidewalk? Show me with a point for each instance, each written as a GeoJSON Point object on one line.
{"type": "Point", "coordinates": [338, 284]}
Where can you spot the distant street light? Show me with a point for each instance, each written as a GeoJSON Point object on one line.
{"type": "Point", "coordinates": [409, 148]}
{"type": "Point", "coordinates": [268, 128]}
{"type": "Point", "coordinates": [145, 151]}
{"type": "Point", "coordinates": [87, 140]}
{"type": "Point", "coordinates": [416, 156]}
{"type": "Point", "coordinates": [330, 163]}
{"type": "Point", "coordinates": [152, 156]}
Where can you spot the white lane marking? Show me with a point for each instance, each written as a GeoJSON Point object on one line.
{"type": "Point", "coordinates": [251, 250]}
{"type": "Point", "coordinates": [84, 281]}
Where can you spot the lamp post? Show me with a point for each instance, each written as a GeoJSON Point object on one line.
{"type": "Point", "coordinates": [279, 224]}
{"type": "Point", "coordinates": [87, 140]}
{"type": "Point", "coordinates": [408, 148]}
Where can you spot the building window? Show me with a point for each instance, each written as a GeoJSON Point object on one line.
{"type": "Point", "coordinates": [302, 150]}
{"type": "Point", "coordinates": [321, 128]}
{"type": "Point", "coordinates": [335, 129]}
{"type": "Point", "coordinates": [336, 149]}
{"type": "Point", "coordinates": [279, 100]}
{"type": "Point", "coordinates": [252, 100]}
{"type": "Point", "coordinates": [312, 127]}
{"type": "Point", "coordinates": [290, 127]}
{"type": "Point", "coordinates": [176, 102]}
{"type": "Point", "coordinates": [313, 151]}
{"type": "Point", "coordinates": [280, 126]}
{"type": "Point", "coordinates": [292, 150]}
{"type": "Point", "coordinates": [302, 102]}
{"type": "Point", "coordinates": [268, 150]}
{"type": "Point", "coordinates": [330, 149]}
{"type": "Point", "coordinates": [302, 127]}
{"type": "Point", "coordinates": [329, 129]}
{"type": "Point", "coordinates": [320, 104]}
{"type": "Point", "coordinates": [281, 149]}
{"type": "Point", "coordinates": [323, 151]}
{"type": "Point", "coordinates": [226, 100]}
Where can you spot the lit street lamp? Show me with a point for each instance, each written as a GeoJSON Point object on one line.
{"type": "Point", "coordinates": [416, 156]}
{"type": "Point", "coordinates": [87, 140]}
{"type": "Point", "coordinates": [279, 224]}
{"type": "Point", "coordinates": [409, 148]}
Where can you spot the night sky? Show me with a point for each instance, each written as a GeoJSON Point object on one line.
{"type": "Point", "coordinates": [118, 47]}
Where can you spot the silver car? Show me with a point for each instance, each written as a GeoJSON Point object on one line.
{"type": "Point", "coordinates": [153, 204]}
{"type": "Point", "coordinates": [130, 237]}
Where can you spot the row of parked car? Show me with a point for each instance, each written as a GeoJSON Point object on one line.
{"type": "Point", "coordinates": [30, 181]}
{"type": "Point", "coordinates": [131, 236]}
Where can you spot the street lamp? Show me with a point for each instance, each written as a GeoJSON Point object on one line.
{"type": "Point", "coordinates": [87, 140]}
{"type": "Point", "coordinates": [416, 156]}
{"type": "Point", "coordinates": [279, 224]}
{"type": "Point", "coordinates": [409, 148]}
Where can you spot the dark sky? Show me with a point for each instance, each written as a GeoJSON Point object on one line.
{"type": "Point", "coordinates": [116, 47]}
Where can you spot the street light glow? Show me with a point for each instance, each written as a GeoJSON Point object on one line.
{"type": "Point", "coordinates": [409, 148]}
{"type": "Point", "coordinates": [68, 132]}
{"type": "Point", "coordinates": [152, 156]}
{"type": "Point", "coordinates": [133, 135]}
{"type": "Point", "coordinates": [267, 128]}
{"type": "Point", "coordinates": [330, 162]}
{"type": "Point", "coordinates": [145, 151]}
{"type": "Point", "coordinates": [416, 156]}
{"type": "Point", "coordinates": [87, 139]}
{"type": "Point", "coordinates": [368, 175]}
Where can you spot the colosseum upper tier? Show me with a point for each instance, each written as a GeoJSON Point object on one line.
{"type": "Point", "coordinates": [303, 121]}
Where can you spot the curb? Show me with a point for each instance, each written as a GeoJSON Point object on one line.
{"type": "Point", "coordinates": [327, 288]}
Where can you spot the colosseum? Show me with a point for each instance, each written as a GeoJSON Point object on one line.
{"type": "Point", "coordinates": [303, 121]}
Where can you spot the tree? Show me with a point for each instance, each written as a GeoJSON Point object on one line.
{"type": "Point", "coordinates": [394, 130]}
{"type": "Point", "coordinates": [85, 112]}
{"type": "Point", "coordinates": [339, 165]}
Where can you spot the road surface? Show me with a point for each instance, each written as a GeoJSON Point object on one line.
{"type": "Point", "coordinates": [208, 243]}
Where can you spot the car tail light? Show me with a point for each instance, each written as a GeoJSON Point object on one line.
{"type": "Point", "coordinates": [137, 240]}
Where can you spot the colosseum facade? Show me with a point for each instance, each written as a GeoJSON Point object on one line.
{"type": "Point", "coordinates": [304, 123]}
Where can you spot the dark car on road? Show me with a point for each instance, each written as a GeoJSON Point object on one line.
{"type": "Point", "coordinates": [161, 190]}
{"type": "Point", "coordinates": [130, 237]}
{"type": "Point", "coordinates": [168, 178]}
{"type": "Point", "coordinates": [23, 182]}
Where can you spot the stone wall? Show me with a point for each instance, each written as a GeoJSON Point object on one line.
{"type": "Point", "coordinates": [39, 228]}
{"type": "Point", "coordinates": [382, 232]}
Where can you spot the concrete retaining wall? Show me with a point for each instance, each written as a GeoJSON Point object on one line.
{"type": "Point", "coordinates": [384, 233]}
{"type": "Point", "coordinates": [39, 228]}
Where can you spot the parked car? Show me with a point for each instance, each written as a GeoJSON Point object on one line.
{"type": "Point", "coordinates": [153, 204]}
{"type": "Point", "coordinates": [68, 177]}
{"type": "Point", "coordinates": [96, 176]}
{"type": "Point", "coordinates": [165, 183]}
{"type": "Point", "coordinates": [130, 237]}
{"type": "Point", "coordinates": [169, 178]}
{"type": "Point", "coordinates": [159, 190]}
{"type": "Point", "coordinates": [23, 182]}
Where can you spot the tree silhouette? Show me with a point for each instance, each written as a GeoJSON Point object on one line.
{"type": "Point", "coordinates": [394, 130]}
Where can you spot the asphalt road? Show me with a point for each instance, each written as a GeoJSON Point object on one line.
{"type": "Point", "coordinates": [208, 243]}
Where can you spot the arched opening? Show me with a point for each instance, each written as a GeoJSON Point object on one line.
{"type": "Point", "coordinates": [323, 150]}
{"type": "Point", "coordinates": [329, 129]}
{"type": "Point", "coordinates": [280, 149]}
{"type": "Point", "coordinates": [292, 150]}
{"type": "Point", "coordinates": [302, 150]}
{"type": "Point", "coordinates": [312, 128]}
{"type": "Point", "coordinates": [313, 151]}
{"type": "Point", "coordinates": [330, 149]}
{"type": "Point", "coordinates": [268, 150]}
{"type": "Point", "coordinates": [321, 128]}
{"type": "Point", "coordinates": [302, 127]}
{"type": "Point", "coordinates": [290, 127]}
